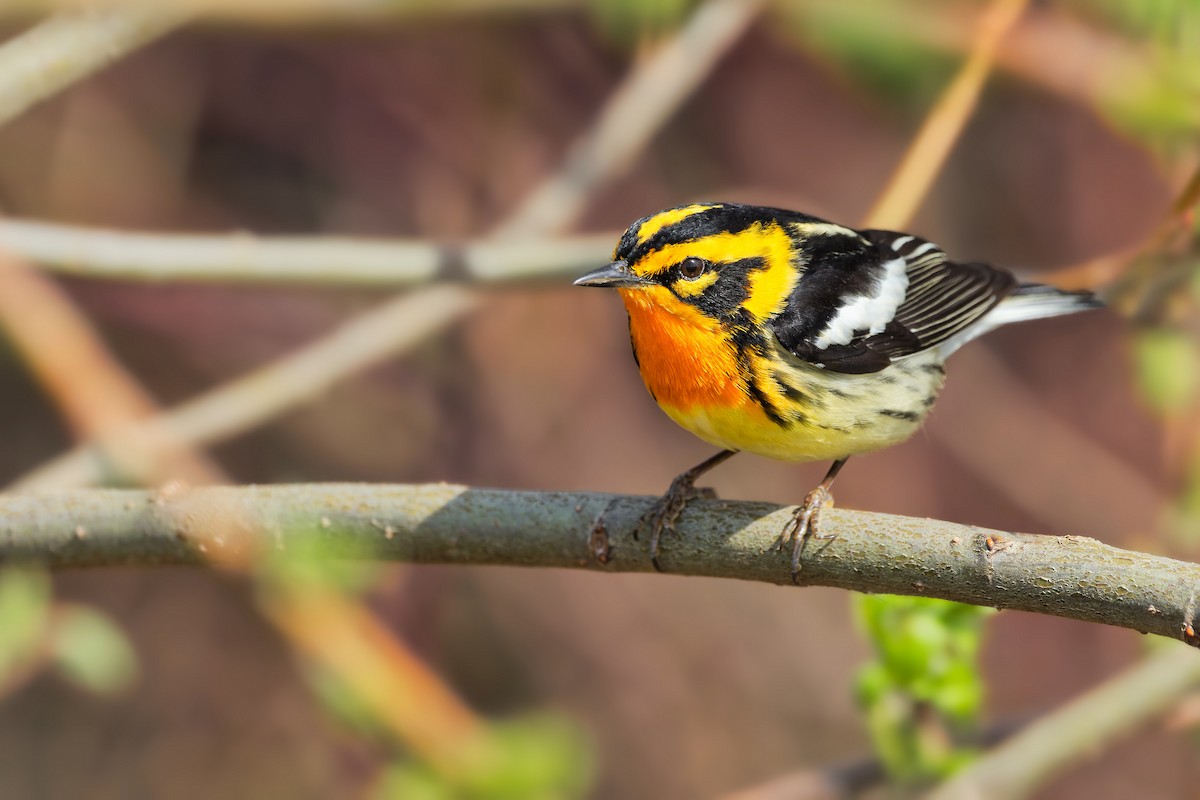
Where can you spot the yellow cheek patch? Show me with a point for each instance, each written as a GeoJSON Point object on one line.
{"type": "Point", "coordinates": [665, 218]}
{"type": "Point", "coordinates": [770, 287]}
{"type": "Point", "coordinates": [686, 288]}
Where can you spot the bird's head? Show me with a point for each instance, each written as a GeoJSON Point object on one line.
{"type": "Point", "coordinates": [732, 263]}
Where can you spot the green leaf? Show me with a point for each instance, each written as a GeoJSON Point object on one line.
{"type": "Point", "coordinates": [25, 610]}
{"type": "Point", "coordinates": [925, 660]}
{"type": "Point", "coordinates": [1168, 365]}
{"type": "Point", "coordinates": [91, 651]}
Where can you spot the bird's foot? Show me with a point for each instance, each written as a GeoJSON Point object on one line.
{"type": "Point", "coordinates": [805, 524]}
{"type": "Point", "coordinates": [661, 517]}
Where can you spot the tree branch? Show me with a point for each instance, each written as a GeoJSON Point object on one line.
{"type": "Point", "coordinates": [927, 153]}
{"type": "Point", "coordinates": [1078, 730]}
{"type": "Point", "coordinates": [70, 46]}
{"type": "Point", "coordinates": [293, 12]}
{"type": "Point", "coordinates": [632, 115]}
{"type": "Point", "coordinates": [247, 258]}
{"type": "Point", "coordinates": [131, 452]}
{"type": "Point", "coordinates": [1066, 576]}
{"type": "Point", "coordinates": [401, 323]}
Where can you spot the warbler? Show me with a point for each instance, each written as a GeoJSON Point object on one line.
{"type": "Point", "coordinates": [775, 332]}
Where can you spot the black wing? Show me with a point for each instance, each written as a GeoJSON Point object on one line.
{"type": "Point", "coordinates": [866, 298]}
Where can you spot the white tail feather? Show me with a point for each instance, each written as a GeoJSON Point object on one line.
{"type": "Point", "coordinates": [1031, 301]}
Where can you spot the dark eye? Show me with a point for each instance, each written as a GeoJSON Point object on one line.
{"type": "Point", "coordinates": [692, 267]}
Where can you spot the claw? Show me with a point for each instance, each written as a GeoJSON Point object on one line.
{"type": "Point", "coordinates": [805, 524]}
{"type": "Point", "coordinates": [662, 515]}
{"type": "Point", "coordinates": [665, 512]}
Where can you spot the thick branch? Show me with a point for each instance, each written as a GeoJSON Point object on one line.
{"type": "Point", "coordinates": [1067, 576]}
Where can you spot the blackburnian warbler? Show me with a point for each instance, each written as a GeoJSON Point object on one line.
{"type": "Point", "coordinates": [778, 333]}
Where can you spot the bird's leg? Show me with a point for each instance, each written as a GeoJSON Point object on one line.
{"type": "Point", "coordinates": [662, 515]}
{"type": "Point", "coordinates": [806, 519]}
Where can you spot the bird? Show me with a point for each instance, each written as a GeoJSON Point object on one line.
{"type": "Point", "coordinates": [775, 332]}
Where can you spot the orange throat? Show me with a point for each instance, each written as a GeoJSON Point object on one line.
{"type": "Point", "coordinates": [686, 358]}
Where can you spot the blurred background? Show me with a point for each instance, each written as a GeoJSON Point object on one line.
{"type": "Point", "coordinates": [438, 125]}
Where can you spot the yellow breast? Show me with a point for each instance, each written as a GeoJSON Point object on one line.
{"type": "Point", "coordinates": [770, 403]}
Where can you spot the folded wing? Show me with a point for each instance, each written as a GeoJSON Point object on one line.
{"type": "Point", "coordinates": [869, 297]}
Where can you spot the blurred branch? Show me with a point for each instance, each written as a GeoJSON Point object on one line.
{"type": "Point", "coordinates": [1066, 576]}
{"type": "Point", "coordinates": [389, 330]}
{"type": "Point", "coordinates": [246, 258]}
{"type": "Point", "coordinates": [1077, 731]}
{"type": "Point", "coordinates": [106, 403]}
{"type": "Point", "coordinates": [632, 115]}
{"type": "Point", "coordinates": [235, 407]}
{"type": "Point", "coordinates": [96, 394]}
{"type": "Point", "coordinates": [1143, 289]}
{"type": "Point", "coordinates": [852, 778]}
{"type": "Point", "coordinates": [927, 153]}
{"type": "Point", "coordinates": [341, 635]}
{"type": "Point", "coordinates": [1139, 277]}
{"type": "Point", "coordinates": [839, 782]}
{"type": "Point", "coordinates": [1048, 47]}
{"type": "Point", "coordinates": [70, 46]}
{"type": "Point", "coordinates": [92, 389]}
{"type": "Point", "coordinates": [1000, 454]}
{"type": "Point", "coordinates": [292, 12]}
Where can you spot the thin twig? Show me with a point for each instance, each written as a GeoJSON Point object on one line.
{"type": "Point", "coordinates": [292, 12]}
{"type": "Point", "coordinates": [99, 396]}
{"type": "Point", "coordinates": [233, 408]}
{"type": "Point", "coordinates": [341, 635]}
{"type": "Point", "coordinates": [1080, 729]}
{"type": "Point", "coordinates": [247, 258]}
{"type": "Point", "coordinates": [632, 115]}
{"type": "Point", "coordinates": [1001, 454]}
{"type": "Point", "coordinates": [72, 45]}
{"type": "Point", "coordinates": [927, 153]}
{"type": "Point", "coordinates": [1142, 290]}
{"type": "Point", "coordinates": [851, 778]}
{"type": "Point", "coordinates": [220, 412]}
{"type": "Point", "coordinates": [1066, 576]}
{"type": "Point", "coordinates": [1049, 47]}
{"type": "Point", "coordinates": [95, 393]}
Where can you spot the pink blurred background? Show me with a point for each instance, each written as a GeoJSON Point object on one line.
{"type": "Point", "coordinates": [436, 128]}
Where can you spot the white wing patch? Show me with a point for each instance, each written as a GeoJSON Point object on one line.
{"type": "Point", "coordinates": [899, 242]}
{"type": "Point", "coordinates": [869, 313]}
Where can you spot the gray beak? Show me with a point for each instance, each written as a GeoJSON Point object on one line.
{"type": "Point", "coordinates": [616, 275]}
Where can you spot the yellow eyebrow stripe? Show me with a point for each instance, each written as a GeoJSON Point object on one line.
{"type": "Point", "coordinates": [768, 287]}
{"type": "Point", "coordinates": [665, 218]}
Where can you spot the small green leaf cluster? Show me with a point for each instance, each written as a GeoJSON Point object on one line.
{"type": "Point", "coordinates": [922, 692]}
{"type": "Point", "coordinates": [79, 643]}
